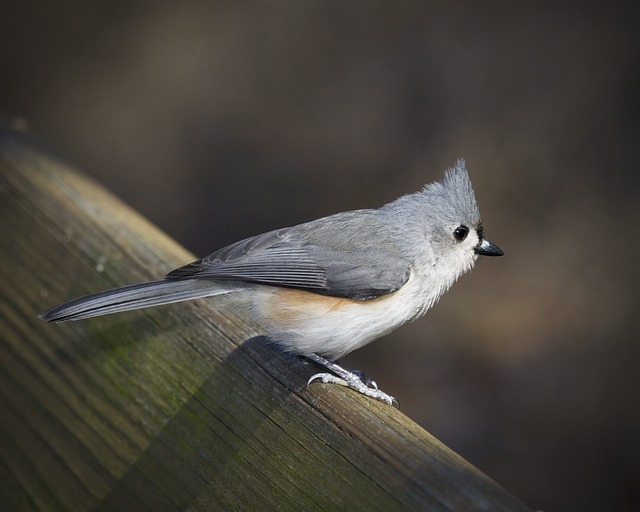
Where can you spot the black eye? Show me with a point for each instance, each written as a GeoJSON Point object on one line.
{"type": "Point", "coordinates": [460, 233]}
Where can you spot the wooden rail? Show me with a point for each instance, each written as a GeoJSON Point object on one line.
{"type": "Point", "coordinates": [177, 407]}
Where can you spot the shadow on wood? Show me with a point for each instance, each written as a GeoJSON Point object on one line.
{"type": "Point", "coordinates": [179, 406]}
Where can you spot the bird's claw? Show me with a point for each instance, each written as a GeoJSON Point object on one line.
{"type": "Point", "coordinates": [355, 380]}
{"type": "Point", "coordinates": [356, 384]}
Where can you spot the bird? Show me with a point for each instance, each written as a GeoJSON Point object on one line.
{"type": "Point", "coordinates": [324, 288]}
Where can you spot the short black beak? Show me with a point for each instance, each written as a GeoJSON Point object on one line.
{"type": "Point", "coordinates": [486, 248]}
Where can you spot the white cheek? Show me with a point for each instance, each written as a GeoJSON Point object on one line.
{"type": "Point", "coordinates": [472, 240]}
{"type": "Point", "coordinates": [465, 259]}
{"type": "Point", "coordinates": [465, 256]}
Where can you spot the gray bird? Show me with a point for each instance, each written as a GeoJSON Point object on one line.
{"type": "Point", "coordinates": [330, 286]}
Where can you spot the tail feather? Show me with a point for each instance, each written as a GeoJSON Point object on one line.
{"type": "Point", "coordinates": [135, 296]}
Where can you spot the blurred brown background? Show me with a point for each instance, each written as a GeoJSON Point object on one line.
{"type": "Point", "coordinates": [219, 120]}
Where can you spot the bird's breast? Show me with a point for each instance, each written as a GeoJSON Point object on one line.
{"type": "Point", "coordinates": [303, 322]}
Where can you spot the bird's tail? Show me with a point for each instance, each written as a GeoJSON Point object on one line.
{"type": "Point", "coordinates": [135, 296]}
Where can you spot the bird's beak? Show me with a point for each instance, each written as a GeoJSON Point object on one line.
{"type": "Point", "coordinates": [487, 248]}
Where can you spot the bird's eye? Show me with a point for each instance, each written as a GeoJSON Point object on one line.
{"type": "Point", "coordinates": [460, 233]}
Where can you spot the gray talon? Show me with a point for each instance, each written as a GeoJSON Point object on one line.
{"type": "Point", "coordinates": [349, 379]}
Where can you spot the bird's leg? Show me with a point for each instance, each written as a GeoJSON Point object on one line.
{"type": "Point", "coordinates": [352, 379]}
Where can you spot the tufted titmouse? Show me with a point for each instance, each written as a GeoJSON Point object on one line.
{"type": "Point", "coordinates": [327, 287]}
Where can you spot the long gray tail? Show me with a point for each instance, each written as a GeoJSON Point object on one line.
{"type": "Point", "coordinates": [135, 296]}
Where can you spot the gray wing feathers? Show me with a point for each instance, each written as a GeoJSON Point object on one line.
{"type": "Point", "coordinates": [131, 297]}
{"type": "Point", "coordinates": [352, 265]}
{"type": "Point", "coordinates": [365, 282]}
{"type": "Point", "coordinates": [352, 255]}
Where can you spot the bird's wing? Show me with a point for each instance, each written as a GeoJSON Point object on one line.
{"type": "Point", "coordinates": [309, 257]}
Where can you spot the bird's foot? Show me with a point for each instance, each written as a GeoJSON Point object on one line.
{"type": "Point", "coordinates": [355, 380]}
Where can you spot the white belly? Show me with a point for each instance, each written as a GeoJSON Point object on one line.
{"type": "Point", "coordinates": [305, 323]}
